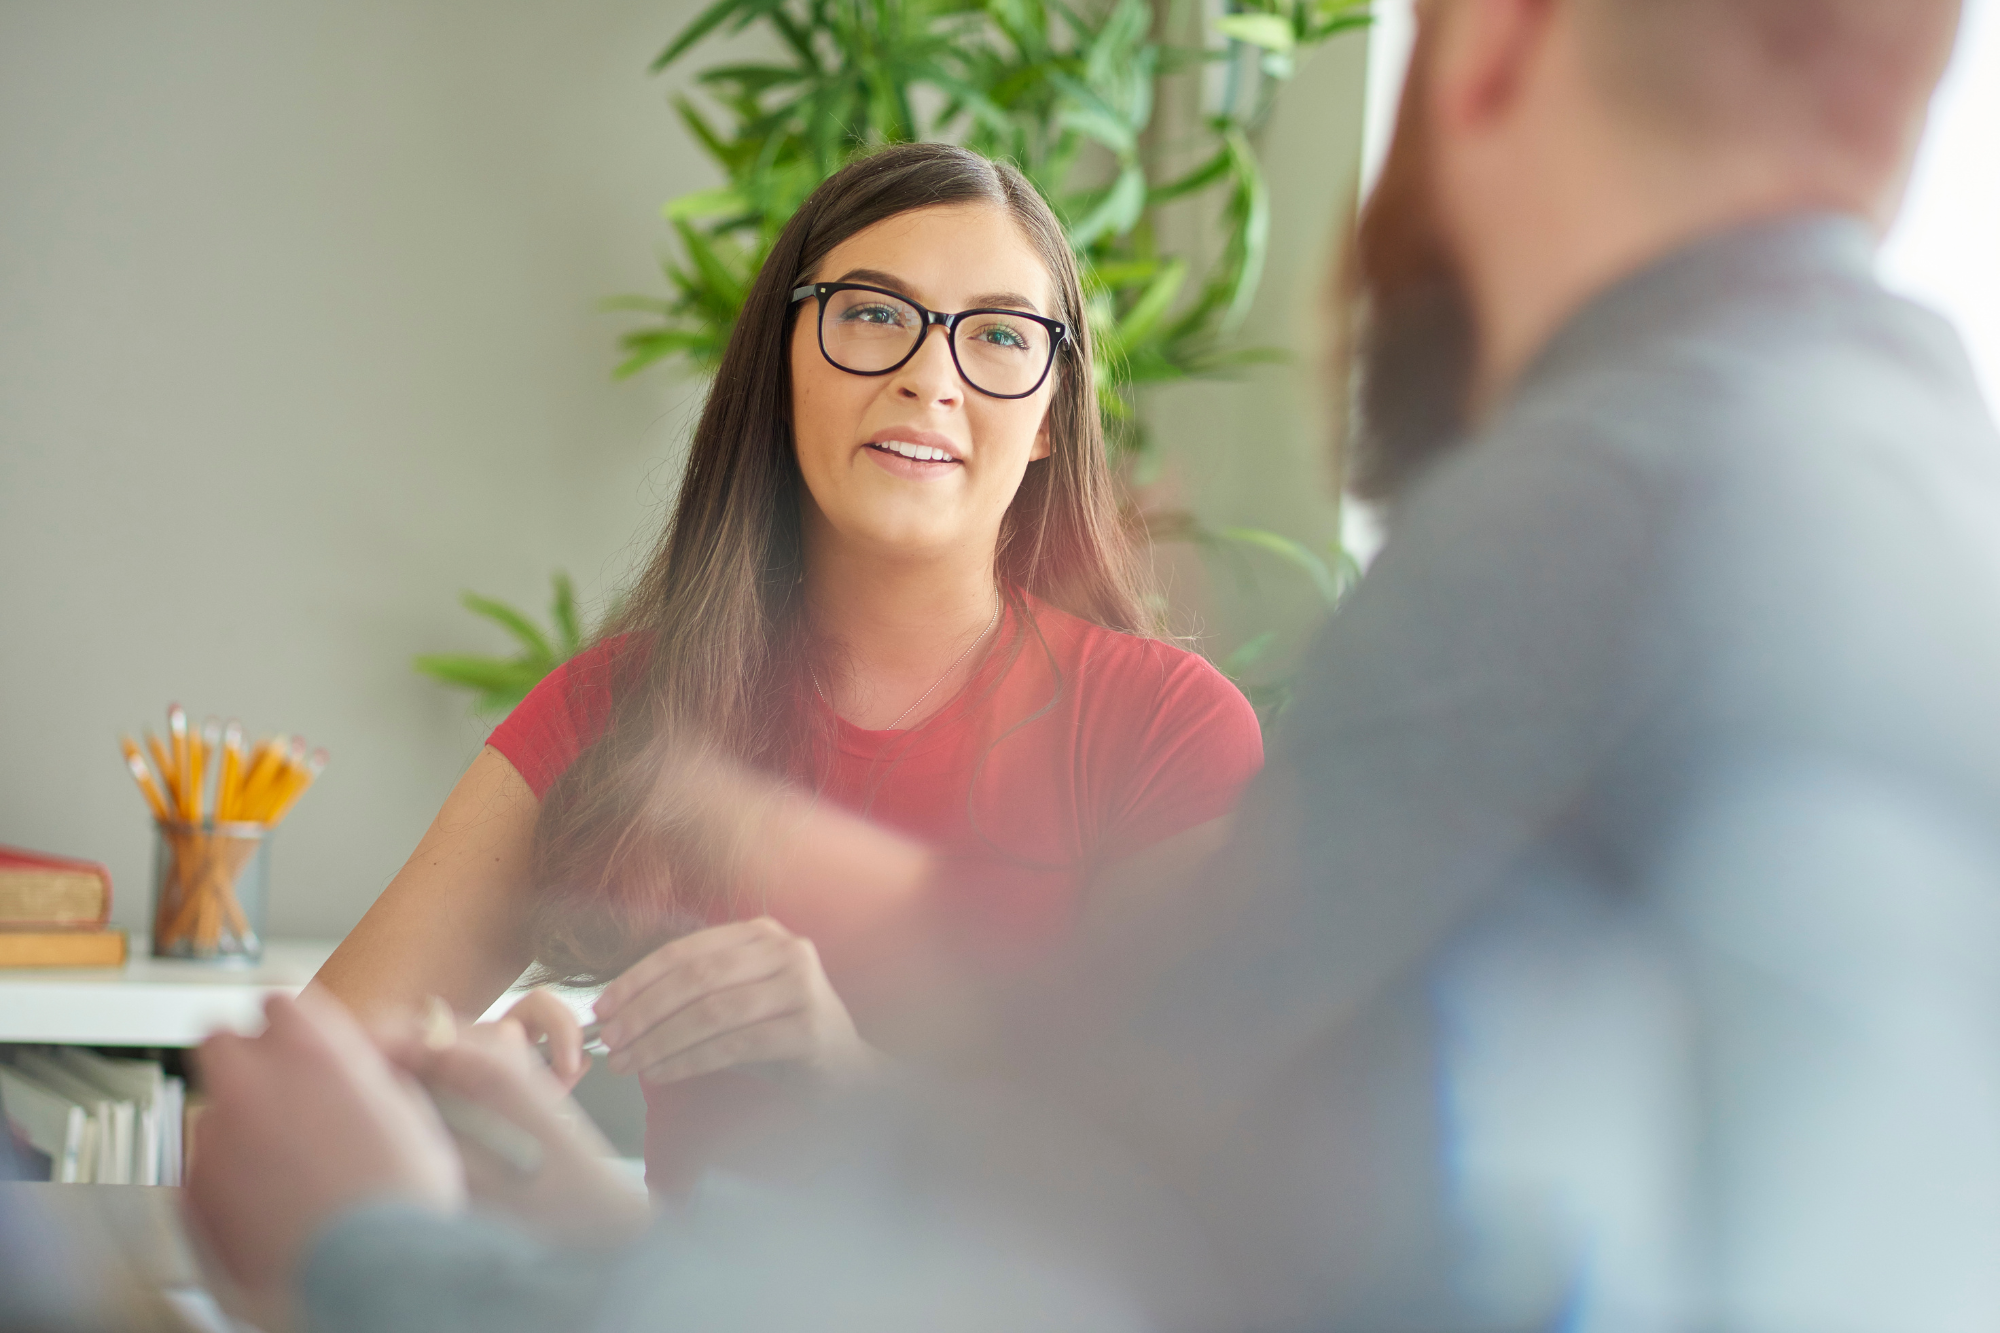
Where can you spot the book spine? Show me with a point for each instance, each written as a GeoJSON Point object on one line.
{"type": "Point", "coordinates": [62, 948]}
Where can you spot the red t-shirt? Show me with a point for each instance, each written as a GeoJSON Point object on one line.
{"type": "Point", "coordinates": [1019, 798]}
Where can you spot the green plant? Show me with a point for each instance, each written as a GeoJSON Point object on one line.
{"type": "Point", "coordinates": [1067, 94]}
{"type": "Point", "coordinates": [498, 683]}
{"type": "Point", "coordinates": [1332, 576]}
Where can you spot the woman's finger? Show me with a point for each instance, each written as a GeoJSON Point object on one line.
{"type": "Point", "coordinates": [543, 1017]}
{"type": "Point", "coordinates": [690, 978]}
{"type": "Point", "coordinates": [677, 954]}
{"type": "Point", "coordinates": [781, 1037]}
{"type": "Point", "coordinates": [734, 1009]}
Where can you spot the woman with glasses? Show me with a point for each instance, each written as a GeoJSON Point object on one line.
{"type": "Point", "coordinates": [896, 578]}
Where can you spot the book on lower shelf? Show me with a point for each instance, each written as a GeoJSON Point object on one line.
{"type": "Point", "coordinates": [97, 1119]}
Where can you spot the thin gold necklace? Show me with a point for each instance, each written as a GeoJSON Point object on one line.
{"type": "Point", "coordinates": [934, 684]}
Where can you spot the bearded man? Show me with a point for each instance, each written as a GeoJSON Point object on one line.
{"type": "Point", "coordinates": [1615, 941]}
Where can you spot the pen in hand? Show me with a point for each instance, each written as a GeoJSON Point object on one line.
{"type": "Point", "coordinates": [593, 1043]}
{"type": "Point", "coordinates": [469, 1122]}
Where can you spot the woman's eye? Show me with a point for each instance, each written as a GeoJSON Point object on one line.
{"type": "Point", "coordinates": [1003, 335]}
{"type": "Point", "coordinates": [872, 314]}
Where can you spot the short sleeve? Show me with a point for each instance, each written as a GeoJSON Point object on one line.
{"type": "Point", "coordinates": [1193, 743]}
{"type": "Point", "coordinates": [561, 716]}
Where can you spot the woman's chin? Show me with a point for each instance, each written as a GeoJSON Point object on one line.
{"type": "Point", "coordinates": [913, 539]}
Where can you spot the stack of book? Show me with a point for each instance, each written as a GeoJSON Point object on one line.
{"type": "Point", "coordinates": [53, 912]}
{"type": "Point", "coordinates": [88, 1118]}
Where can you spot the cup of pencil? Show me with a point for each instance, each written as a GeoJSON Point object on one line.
{"type": "Point", "coordinates": [215, 803]}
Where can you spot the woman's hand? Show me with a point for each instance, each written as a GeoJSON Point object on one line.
{"type": "Point", "coordinates": [574, 1196]}
{"type": "Point", "coordinates": [750, 992]}
{"type": "Point", "coordinates": [543, 1017]}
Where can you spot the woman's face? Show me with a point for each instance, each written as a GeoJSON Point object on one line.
{"type": "Point", "coordinates": [855, 432]}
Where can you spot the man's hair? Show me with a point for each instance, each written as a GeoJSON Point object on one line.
{"type": "Point", "coordinates": [1855, 75]}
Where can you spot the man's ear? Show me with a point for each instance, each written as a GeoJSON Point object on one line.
{"type": "Point", "coordinates": [1485, 54]}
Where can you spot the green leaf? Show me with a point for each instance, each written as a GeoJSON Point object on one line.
{"type": "Point", "coordinates": [1292, 552]}
{"type": "Point", "coordinates": [1252, 208]}
{"type": "Point", "coordinates": [1100, 123]}
{"type": "Point", "coordinates": [652, 305]}
{"type": "Point", "coordinates": [1116, 275]}
{"type": "Point", "coordinates": [650, 346]}
{"type": "Point", "coordinates": [1248, 655]}
{"type": "Point", "coordinates": [704, 23]}
{"type": "Point", "coordinates": [704, 204]}
{"type": "Point", "coordinates": [562, 613]}
{"type": "Point", "coordinates": [1145, 314]}
{"type": "Point", "coordinates": [725, 288]}
{"type": "Point", "coordinates": [495, 674]}
{"type": "Point", "coordinates": [1266, 30]}
{"type": "Point", "coordinates": [1117, 212]}
{"type": "Point", "coordinates": [705, 134]}
{"type": "Point", "coordinates": [523, 629]}
{"type": "Point", "coordinates": [754, 79]}
{"type": "Point", "coordinates": [1203, 176]}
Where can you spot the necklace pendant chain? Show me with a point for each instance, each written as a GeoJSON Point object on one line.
{"type": "Point", "coordinates": [934, 684]}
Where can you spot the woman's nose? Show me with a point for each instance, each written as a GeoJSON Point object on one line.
{"type": "Point", "coordinates": [931, 376]}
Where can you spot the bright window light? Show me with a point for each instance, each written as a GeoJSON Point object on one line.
{"type": "Point", "coordinates": [1945, 250]}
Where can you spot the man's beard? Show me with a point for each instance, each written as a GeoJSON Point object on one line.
{"type": "Point", "coordinates": [1413, 333]}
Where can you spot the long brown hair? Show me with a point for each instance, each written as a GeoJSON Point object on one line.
{"type": "Point", "coordinates": [712, 636]}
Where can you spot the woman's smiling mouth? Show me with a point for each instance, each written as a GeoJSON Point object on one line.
{"type": "Point", "coordinates": [928, 454]}
{"type": "Point", "coordinates": [922, 453]}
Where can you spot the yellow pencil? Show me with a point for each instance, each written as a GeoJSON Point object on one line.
{"type": "Point", "coordinates": [232, 772]}
{"type": "Point", "coordinates": [301, 778]}
{"type": "Point", "coordinates": [177, 734]}
{"type": "Point", "coordinates": [144, 777]}
{"type": "Point", "coordinates": [268, 757]}
{"type": "Point", "coordinates": [204, 760]}
{"type": "Point", "coordinates": [164, 762]}
{"type": "Point", "coordinates": [282, 775]}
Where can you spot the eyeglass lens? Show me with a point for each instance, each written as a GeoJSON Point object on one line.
{"type": "Point", "coordinates": [869, 332]}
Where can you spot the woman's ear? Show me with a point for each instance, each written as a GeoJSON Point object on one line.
{"type": "Point", "coordinates": [1042, 447]}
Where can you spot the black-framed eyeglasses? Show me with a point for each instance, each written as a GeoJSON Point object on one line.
{"type": "Point", "coordinates": [871, 331]}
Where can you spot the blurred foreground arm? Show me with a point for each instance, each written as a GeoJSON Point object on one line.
{"type": "Point", "coordinates": [326, 1189]}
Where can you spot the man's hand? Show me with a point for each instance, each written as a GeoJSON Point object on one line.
{"type": "Point", "coordinates": [304, 1122]}
{"type": "Point", "coordinates": [575, 1197]}
{"type": "Point", "coordinates": [750, 992]}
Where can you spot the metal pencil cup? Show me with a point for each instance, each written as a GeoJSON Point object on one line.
{"type": "Point", "coordinates": [210, 883]}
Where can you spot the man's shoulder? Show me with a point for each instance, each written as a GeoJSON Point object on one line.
{"type": "Point", "coordinates": [1761, 386]}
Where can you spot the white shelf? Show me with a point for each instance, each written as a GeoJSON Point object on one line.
{"type": "Point", "coordinates": [150, 1001]}
{"type": "Point", "coordinates": [168, 1002]}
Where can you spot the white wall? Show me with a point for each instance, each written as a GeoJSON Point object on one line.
{"type": "Point", "coordinates": [298, 340]}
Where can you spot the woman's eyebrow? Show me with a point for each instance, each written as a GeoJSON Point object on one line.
{"type": "Point", "coordinates": [1006, 300]}
{"type": "Point", "coordinates": [875, 277]}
